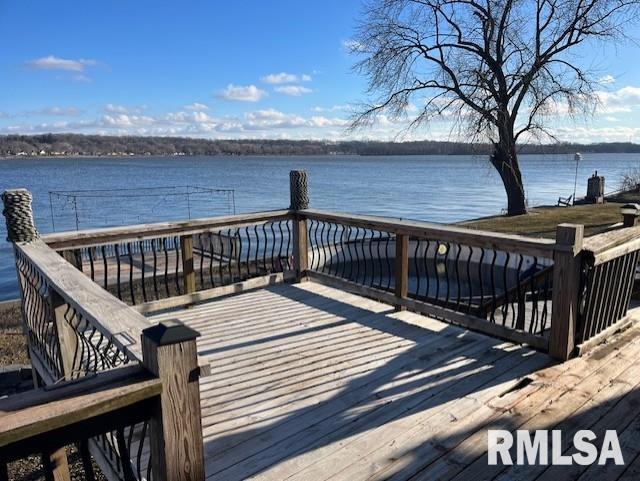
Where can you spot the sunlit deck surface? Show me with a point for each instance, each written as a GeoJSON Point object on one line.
{"type": "Point", "coordinates": [312, 383]}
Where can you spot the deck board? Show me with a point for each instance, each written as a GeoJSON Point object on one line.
{"type": "Point", "coordinates": [312, 383]}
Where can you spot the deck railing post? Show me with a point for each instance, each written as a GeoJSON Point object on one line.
{"type": "Point", "coordinates": [566, 290]}
{"type": "Point", "coordinates": [299, 195]}
{"type": "Point", "coordinates": [177, 452]}
{"type": "Point", "coordinates": [402, 267]}
{"type": "Point", "coordinates": [188, 272]}
{"type": "Point", "coordinates": [66, 336]}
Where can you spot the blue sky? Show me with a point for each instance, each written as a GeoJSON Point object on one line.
{"type": "Point", "coordinates": [221, 69]}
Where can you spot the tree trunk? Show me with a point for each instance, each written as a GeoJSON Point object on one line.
{"type": "Point", "coordinates": [505, 161]}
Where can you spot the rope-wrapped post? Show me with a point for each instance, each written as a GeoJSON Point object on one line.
{"type": "Point", "coordinates": [299, 190]}
{"type": "Point", "coordinates": [18, 214]}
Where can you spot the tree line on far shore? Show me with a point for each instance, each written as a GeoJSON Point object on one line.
{"type": "Point", "coordinates": [98, 145]}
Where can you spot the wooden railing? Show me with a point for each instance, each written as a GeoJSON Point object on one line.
{"type": "Point", "coordinates": [499, 284]}
{"type": "Point", "coordinates": [46, 420]}
{"type": "Point", "coordinates": [609, 269]}
{"type": "Point", "coordinates": [155, 266]}
{"type": "Point", "coordinates": [76, 330]}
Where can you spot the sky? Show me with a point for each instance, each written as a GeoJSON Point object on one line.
{"type": "Point", "coordinates": [226, 69]}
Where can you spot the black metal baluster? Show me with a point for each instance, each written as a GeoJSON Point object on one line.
{"type": "Point", "coordinates": [201, 247]}
{"type": "Point", "coordinates": [118, 271]}
{"type": "Point", "coordinates": [143, 261]}
{"type": "Point", "coordinates": [176, 246]}
{"type": "Point", "coordinates": [481, 281]}
{"type": "Point", "coordinates": [264, 250]}
{"type": "Point", "coordinates": [446, 273]}
{"type": "Point", "coordinates": [364, 257]}
{"type": "Point", "coordinates": [458, 285]}
{"type": "Point", "coordinates": [505, 304]}
{"type": "Point", "coordinates": [105, 281]}
{"type": "Point", "coordinates": [130, 258]}
{"type": "Point", "coordinates": [221, 257]}
{"type": "Point", "coordinates": [273, 247]}
{"type": "Point", "coordinates": [280, 246]}
{"type": "Point", "coordinates": [255, 230]}
{"type": "Point", "coordinates": [238, 254]}
{"type": "Point", "coordinates": [289, 245]}
{"type": "Point", "coordinates": [416, 266]}
{"type": "Point", "coordinates": [155, 268]}
{"type": "Point", "coordinates": [230, 256]}
{"type": "Point", "coordinates": [91, 266]}
{"type": "Point", "coordinates": [166, 266]}
{"type": "Point", "coordinates": [211, 251]}
{"type": "Point", "coordinates": [386, 256]}
{"type": "Point", "coordinates": [519, 320]}
{"type": "Point", "coordinates": [248, 251]}
{"type": "Point", "coordinates": [435, 271]}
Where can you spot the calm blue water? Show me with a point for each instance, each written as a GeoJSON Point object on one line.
{"type": "Point", "coordinates": [434, 188]}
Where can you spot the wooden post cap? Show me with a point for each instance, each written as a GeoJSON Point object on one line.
{"type": "Point", "coordinates": [630, 214]}
{"type": "Point", "coordinates": [171, 331]}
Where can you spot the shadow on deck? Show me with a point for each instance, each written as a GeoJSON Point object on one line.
{"type": "Point", "coordinates": [309, 382]}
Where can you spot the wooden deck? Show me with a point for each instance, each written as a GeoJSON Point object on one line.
{"type": "Point", "coordinates": [312, 383]}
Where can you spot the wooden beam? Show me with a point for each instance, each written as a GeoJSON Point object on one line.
{"type": "Point", "coordinates": [402, 267]}
{"type": "Point", "coordinates": [55, 465]}
{"type": "Point", "coordinates": [188, 273]}
{"type": "Point", "coordinates": [208, 294]}
{"type": "Point", "coordinates": [177, 450]}
{"type": "Point", "coordinates": [566, 290]}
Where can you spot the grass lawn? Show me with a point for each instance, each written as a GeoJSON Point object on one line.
{"type": "Point", "coordinates": [542, 221]}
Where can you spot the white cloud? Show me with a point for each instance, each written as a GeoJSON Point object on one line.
{"type": "Point", "coordinates": [352, 46]}
{"type": "Point", "coordinates": [62, 111]}
{"type": "Point", "coordinates": [607, 80]}
{"type": "Point", "coordinates": [279, 78]}
{"type": "Point", "coordinates": [196, 107]}
{"type": "Point", "coordinates": [622, 100]}
{"type": "Point", "coordinates": [52, 62]}
{"type": "Point", "coordinates": [334, 108]}
{"type": "Point", "coordinates": [121, 109]}
{"type": "Point", "coordinates": [285, 78]}
{"type": "Point", "coordinates": [294, 90]}
{"type": "Point", "coordinates": [249, 93]}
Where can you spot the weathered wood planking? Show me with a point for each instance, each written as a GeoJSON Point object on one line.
{"type": "Point", "coordinates": [311, 382]}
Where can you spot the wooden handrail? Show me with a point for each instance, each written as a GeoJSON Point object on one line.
{"type": "Point", "coordinates": [91, 237]}
{"type": "Point", "coordinates": [106, 313]}
{"type": "Point", "coordinates": [600, 243]}
{"type": "Point", "coordinates": [461, 235]}
{"type": "Point", "coordinates": [59, 408]}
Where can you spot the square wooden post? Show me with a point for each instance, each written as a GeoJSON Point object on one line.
{"type": "Point", "coordinates": [300, 247]}
{"type": "Point", "coordinates": [567, 260]}
{"type": "Point", "coordinates": [402, 267]}
{"type": "Point", "coordinates": [188, 273]}
{"type": "Point", "coordinates": [66, 335]}
{"type": "Point", "coordinates": [170, 353]}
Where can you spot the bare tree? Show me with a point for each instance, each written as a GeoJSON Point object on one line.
{"type": "Point", "coordinates": [498, 68]}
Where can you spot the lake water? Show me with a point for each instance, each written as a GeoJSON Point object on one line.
{"type": "Point", "coordinates": [433, 188]}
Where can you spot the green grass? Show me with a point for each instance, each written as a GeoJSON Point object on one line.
{"type": "Point", "coordinates": [542, 221]}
